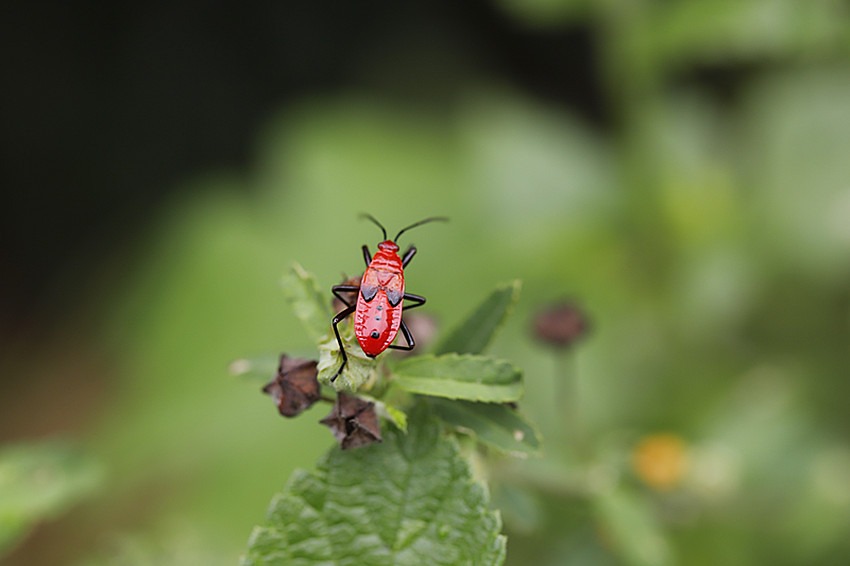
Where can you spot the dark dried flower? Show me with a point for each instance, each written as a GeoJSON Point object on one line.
{"type": "Point", "coordinates": [560, 324]}
{"type": "Point", "coordinates": [353, 422]}
{"type": "Point", "coordinates": [295, 387]}
{"type": "Point", "coordinates": [350, 295]}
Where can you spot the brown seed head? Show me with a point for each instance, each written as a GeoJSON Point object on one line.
{"type": "Point", "coordinates": [560, 324]}
{"type": "Point", "coordinates": [295, 387]}
{"type": "Point", "coordinates": [353, 422]}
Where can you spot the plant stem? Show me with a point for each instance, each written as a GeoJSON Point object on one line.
{"type": "Point", "coordinates": [567, 404]}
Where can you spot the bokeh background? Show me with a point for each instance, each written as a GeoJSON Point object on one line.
{"type": "Point", "coordinates": [680, 170]}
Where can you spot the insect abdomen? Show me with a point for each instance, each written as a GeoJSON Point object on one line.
{"type": "Point", "coordinates": [376, 323]}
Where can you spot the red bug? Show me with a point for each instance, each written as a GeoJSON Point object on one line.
{"type": "Point", "coordinates": [377, 312]}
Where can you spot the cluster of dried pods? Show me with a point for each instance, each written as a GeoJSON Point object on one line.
{"type": "Point", "coordinates": [295, 388]}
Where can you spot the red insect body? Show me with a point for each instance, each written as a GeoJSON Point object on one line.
{"type": "Point", "coordinates": [378, 314]}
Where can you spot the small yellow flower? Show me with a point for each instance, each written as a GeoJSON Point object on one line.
{"type": "Point", "coordinates": [661, 460]}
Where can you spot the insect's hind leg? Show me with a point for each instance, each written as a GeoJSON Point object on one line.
{"type": "Point", "coordinates": [407, 336]}
{"type": "Point", "coordinates": [418, 301]}
{"type": "Point", "coordinates": [337, 319]}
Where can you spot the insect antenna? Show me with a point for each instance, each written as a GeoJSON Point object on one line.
{"type": "Point", "coordinates": [414, 225]}
{"type": "Point", "coordinates": [372, 218]}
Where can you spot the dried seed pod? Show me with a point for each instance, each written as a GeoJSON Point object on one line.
{"type": "Point", "coordinates": [560, 324]}
{"type": "Point", "coordinates": [295, 387]}
{"type": "Point", "coordinates": [353, 422]}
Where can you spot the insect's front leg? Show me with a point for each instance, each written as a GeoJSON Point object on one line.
{"type": "Point", "coordinates": [337, 289]}
{"type": "Point", "coordinates": [339, 317]}
{"type": "Point", "coordinates": [408, 255]}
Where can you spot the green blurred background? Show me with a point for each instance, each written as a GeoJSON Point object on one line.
{"type": "Point", "coordinates": [678, 168]}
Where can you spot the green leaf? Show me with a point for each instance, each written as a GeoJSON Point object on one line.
{"type": "Point", "coordinates": [408, 501]}
{"type": "Point", "coordinates": [359, 372]}
{"type": "Point", "coordinates": [309, 304]}
{"type": "Point", "coordinates": [474, 334]}
{"type": "Point", "coordinates": [39, 481]}
{"type": "Point", "coordinates": [476, 378]}
{"type": "Point", "coordinates": [392, 414]}
{"type": "Point", "coordinates": [494, 424]}
{"type": "Point", "coordinates": [630, 523]}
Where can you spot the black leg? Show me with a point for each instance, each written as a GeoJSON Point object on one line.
{"type": "Point", "coordinates": [407, 336]}
{"type": "Point", "coordinates": [408, 255]}
{"type": "Point", "coordinates": [337, 289]}
{"type": "Point", "coordinates": [340, 316]}
{"type": "Point", "coordinates": [366, 255]}
{"type": "Point", "coordinates": [417, 301]}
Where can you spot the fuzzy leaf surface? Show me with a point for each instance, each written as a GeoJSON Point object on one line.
{"type": "Point", "coordinates": [358, 372]}
{"type": "Point", "coordinates": [475, 333]}
{"type": "Point", "coordinates": [475, 378]}
{"type": "Point", "coordinates": [308, 303]}
{"type": "Point", "coordinates": [408, 501]}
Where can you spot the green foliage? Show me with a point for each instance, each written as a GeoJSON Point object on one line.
{"type": "Point", "coordinates": [703, 228]}
{"type": "Point", "coordinates": [719, 29]}
{"type": "Point", "coordinates": [360, 370]}
{"type": "Point", "coordinates": [392, 414]}
{"type": "Point", "coordinates": [410, 500]}
{"type": "Point", "coordinates": [40, 481]}
{"type": "Point", "coordinates": [632, 527]}
{"type": "Point", "coordinates": [496, 425]}
{"type": "Point", "coordinates": [727, 269]}
{"type": "Point", "coordinates": [475, 378]}
{"type": "Point", "coordinates": [478, 329]}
